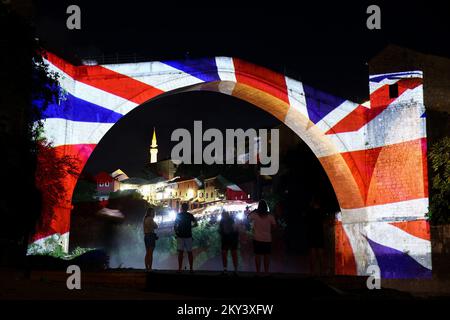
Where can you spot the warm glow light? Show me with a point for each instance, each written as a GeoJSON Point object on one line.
{"type": "Point", "coordinates": [145, 190]}
{"type": "Point", "coordinates": [127, 187]}
{"type": "Point", "coordinates": [190, 193]}
{"type": "Point", "coordinates": [167, 192]}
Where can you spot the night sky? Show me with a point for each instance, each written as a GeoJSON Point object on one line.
{"type": "Point", "coordinates": [324, 45]}
{"type": "Point", "coordinates": [126, 145]}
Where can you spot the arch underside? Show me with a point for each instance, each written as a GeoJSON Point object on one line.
{"type": "Point", "coordinates": [374, 154]}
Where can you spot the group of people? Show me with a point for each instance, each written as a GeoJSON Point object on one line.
{"type": "Point", "coordinates": [263, 223]}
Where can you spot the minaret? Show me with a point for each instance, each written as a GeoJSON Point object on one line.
{"type": "Point", "coordinates": [154, 149]}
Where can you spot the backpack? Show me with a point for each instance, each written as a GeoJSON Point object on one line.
{"type": "Point", "coordinates": [183, 225]}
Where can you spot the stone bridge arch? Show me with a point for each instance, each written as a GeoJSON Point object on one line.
{"type": "Point", "coordinates": [374, 153]}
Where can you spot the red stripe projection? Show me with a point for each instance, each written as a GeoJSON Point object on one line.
{"type": "Point", "coordinates": [56, 219]}
{"type": "Point", "coordinates": [107, 80]}
{"type": "Point", "coordinates": [344, 258]}
{"type": "Point", "coordinates": [389, 174]}
{"type": "Point", "coordinates": [261, 78]}
{"type": "Point", "coordinates": [362, 164]}
{"type": "Point", "coordinates": [425, 167]}
{"type": "Point", "coordinates": [379, 101]}
{"type": "Point", "coordinates": [418, 228]}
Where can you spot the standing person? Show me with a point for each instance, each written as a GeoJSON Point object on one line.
{"type": "Point", "coordinates": [149, 237]}
{"type": "Point", "coordinates": [315, 237]}
{"type": "Point", "coordinates": [247, 221]}
{"type": "Point", "coordinates": [183, 231]}
{"type": "Point", "coordinates": [263, 222]}
{"type": "Point", "coordinates": [229, 237]}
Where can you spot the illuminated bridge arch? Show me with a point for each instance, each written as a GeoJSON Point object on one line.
{"type": "Point", "coordinates": [373, 153]}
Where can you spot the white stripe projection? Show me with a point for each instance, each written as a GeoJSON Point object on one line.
{"type": "Point", "coordinates": [336, 115]}
{"type": "Point", "coordinates": [64, 132]}
{"type": "Point", "coordinates": [225, 69]}
{"type": "Point", "coordinates": [373, 86]}
{"type": "Point", "coordinates": [92, 94]}
{"type": "Point", "coordinates": [392, 126]}
{"type": "Point", "coordinates": [364, 256]}
{"type": "Point", "coordinates": [296, 96]}
{"type": "Point", "coordinates": [390, 236]}
{"type": "Point", "coordinates": [156, 74]}
{"type": "Point", "coordinates": [397, 211]}
{"type": "Point", "coordinates": [387, 235]}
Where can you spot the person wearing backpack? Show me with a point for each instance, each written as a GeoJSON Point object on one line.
{"type": "Point", "coordinates": [183, 232]}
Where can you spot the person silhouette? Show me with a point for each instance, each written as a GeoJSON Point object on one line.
{"type": "Point", "coordinates": [149, 237]}
{"type": "Point", "coordinates": [183, 232]}
{"type": "Point", "coordinates": [263, 222]}
{"type": "Point", "coordinates": [229, 237]}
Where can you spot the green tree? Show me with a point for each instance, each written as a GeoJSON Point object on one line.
{"type": "Point", "coordinates": [439, 211]}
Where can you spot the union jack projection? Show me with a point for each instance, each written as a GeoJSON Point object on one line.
{"type": "Point", "coordinates": [374, 153]}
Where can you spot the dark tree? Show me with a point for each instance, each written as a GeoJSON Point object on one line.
{"type": "Point", "coordinates": [27, 87]}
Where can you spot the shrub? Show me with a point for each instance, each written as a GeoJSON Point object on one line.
{"type": "Point", "coordinates": [439, 211]}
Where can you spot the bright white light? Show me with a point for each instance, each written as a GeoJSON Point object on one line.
{"type": "Point", "coordinates": [172, 215]}
{"type": "Point", "coordinates": [146, 190]}
{"type": "Point", "coordinates": [219, 217]}
{"type": "Point", "coordinates": [126, 186]}
{"type": "Point", "coordinates": [190, 193]}
{"type": "Point", "coordinates": [240, 215]}
{"type": "Point", "coordinates": [158, 219]}
{"type": "Point", "coordinates": [168, 192]}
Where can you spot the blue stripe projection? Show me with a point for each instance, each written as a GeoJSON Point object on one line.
{"type": "Point", "coordinates": [204, 69]}
{"type": "Point", "coordinates": [398, 75]}
{"type": "Point", "coordinates": [397, 264]}
{"type": "Point", "coordinates": [75, 109]}
{"type": "Point", "coordinates": [319, 103]}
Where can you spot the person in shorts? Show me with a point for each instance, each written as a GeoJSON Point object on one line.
{"type": "Point", "coordinates": [183, 232]}
{"type": "Point", "coordinates": [263, 222]}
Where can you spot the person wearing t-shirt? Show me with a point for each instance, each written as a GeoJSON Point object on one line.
{"type": "Point", "coordinates": [263, 222]}
{"type": "Point", "coordinates": [149, 237]}
{"type": "Point", "coordinates": [183, 232]}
